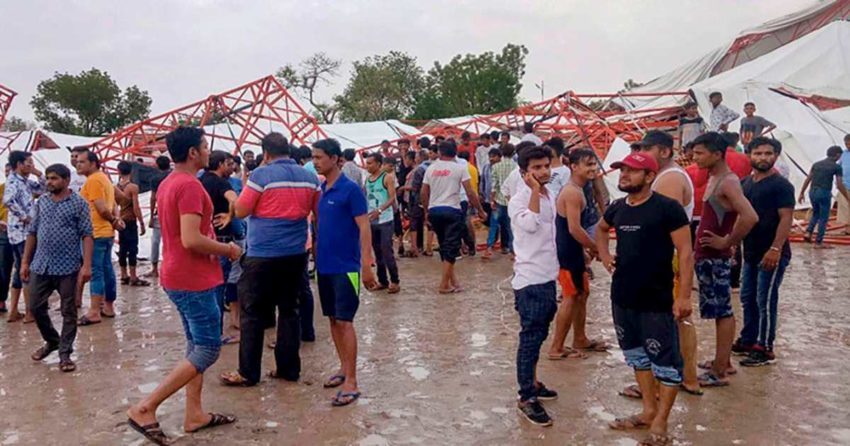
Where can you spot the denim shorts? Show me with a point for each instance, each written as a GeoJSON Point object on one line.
{"type": "Point", "coordinates": [715, 289]}
{"type": "Point", "coordinates": [201, 318]}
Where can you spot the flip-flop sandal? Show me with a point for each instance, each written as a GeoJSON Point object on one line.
{"type": "Point", "coordinates": [43, 352]}
{"type": "Point", "coordinates": [86, 321]}
{"type": "Point", "coordinates": [140, 282]}
{"type": "Point", "coordinates": [708, 379]}
{"type": "Point", "coordinates": [708, 364]}
{"type": "Point", "coordinates": [67, 366]}
{"type": "Point", "coordinates": [656, 440]}
{"type": "Point", "coordinates": [107, 315]}
{"type": "Point", "coordinates": [216, 420]}
{"type": "Point", "coordinates": [596, 346]}
{"type": "Point", "coordinates": [234, 379]}
{"type": "Point", "coordinates": [152, 432]}
{"type": "Point", "coordinates": [428, 254]}
{"type": "Point", "coordinates": [632, 391]}
{"type": "Point", "coordinates": [227, 340]}
{"type": "Point", "coordinates": [334, 381]}
{"type": "Point", "coordinates": [344, 398]}
{"type": "Point", "coordinates": [125, 281]}
{"type": "Point", "coordinates": [15, 317]}
{"type": "Point", "coordinates": [628, 423]}
{"type": "Point", "coordinates": [568, 353]}
{"type": "Point", "coordinates": [697, 392]}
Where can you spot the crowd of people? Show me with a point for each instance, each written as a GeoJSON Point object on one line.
{"type": "Point", "coordinates": [232, 229]}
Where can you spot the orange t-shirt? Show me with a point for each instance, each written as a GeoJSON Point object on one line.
{"type": "Point", "coordinates": [98, 186]}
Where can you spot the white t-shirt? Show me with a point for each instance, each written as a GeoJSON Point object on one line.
{"type": "Point", "coordinates": [482, 157]}
{"type": "Point", "coordinates": [533, 138]}
{"type": "Point", "coordinates": [445, 179]}
{"type": "Point", "coordinates": [511, 183]}
{"type": "Point", "coordinates": [77, 181]}
{"type": "Point", "coordinates": [560, 177]}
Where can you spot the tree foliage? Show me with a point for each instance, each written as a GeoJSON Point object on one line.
{"type": "Point", "coordinates": [381, 87]}
{"type": "Point", "coordinates": [16, 124]}
{"type": "Point", "coordinates": [89, 104]}
{"type": "Point", "coordinates": [312, 72]}
{"type": "Point", "coordinates": [471, 84]}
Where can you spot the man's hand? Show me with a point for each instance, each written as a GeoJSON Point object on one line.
{"type": "Point", "coordinates": [142, 229]}
{"type": "Point", "coordinates": [150, 222]}
{"type": "Point", "coordinates": [25, 272]}
{"type": "Point", "coordinates": [609, 262]}
{"type": "Point", "coordinates": [682, 308]}
{"type": "Point", "coordinates": [374, 215]}
{"type": "Point", "coordinates": [369, 280]}
{"type": "Point", "coordinates": [770, 260]}
{"type": "Point", "coordinates": [481, 214]}
{"type": "Point", "coordinates": [220, 221]}
{"type": "Point", "coordinates": [714, 241]}
{"type": "Point", "coordinates": [26, 220]}
{"type": "Point", "coordinates": [235, 251]}
{"type": "Point", "coordinates": [801, 199]}
{"type": "Point", "coordinates": [532, 182]}
{"type": "Point", "coordinates": [84, 275]}
{"type": "Point", "coordinates": [119, 224]}
{"type": "Point", "coordinates": [724, 127]}
{"type": "Point", "coordinates": [36, 172]}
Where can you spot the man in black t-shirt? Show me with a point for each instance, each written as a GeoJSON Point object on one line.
{"type": "Point", "coordinates": [215, 181]}
{"type": "Point", "coordinates": [820, 197]}
{"type": "Point", "coordinates": [648, 227]}
{"type": "Point", "coordinates": [766, 252]}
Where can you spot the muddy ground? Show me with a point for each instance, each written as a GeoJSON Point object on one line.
{"type": "Point", "coordinates": [437, 370]}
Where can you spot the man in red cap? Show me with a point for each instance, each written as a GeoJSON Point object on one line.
{"type": "Point", "coordinates": [648, 226]}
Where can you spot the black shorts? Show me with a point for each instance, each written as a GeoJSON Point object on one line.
{"type": "Point", "coordinates": [339, 295]}
{"type": "Point", "coordinates": [650, 340]}
{"type": "Point", "coordinates": [449, 226]}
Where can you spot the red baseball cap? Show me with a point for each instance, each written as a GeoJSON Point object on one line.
{"type": "Point", "coordinates": [638, 160]}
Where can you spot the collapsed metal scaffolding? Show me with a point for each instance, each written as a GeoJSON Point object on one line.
{"type": "Point", "coordinates": [233, 119]}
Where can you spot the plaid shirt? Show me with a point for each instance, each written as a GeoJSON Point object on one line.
{"type": "Point", "coordinates": [59, 227]}
{"type": "Point", "coordinates": [499, 173]}
{"type": "Point", "coordinates": [18, 199]}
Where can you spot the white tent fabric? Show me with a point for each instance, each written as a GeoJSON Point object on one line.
{"type": "Point", "coordinates": [365, 134]}
{"type": "Point", "coordinates": [619, 150]}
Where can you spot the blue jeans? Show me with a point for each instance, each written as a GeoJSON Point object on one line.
{"type": "Point", "coordinates": [821, 200]}
{"type": "Point", "coordinates": [201, 317]}
{"type": "Point", "coordinates": [102, 273]}
{"type": "Point", "coordinates": [500, 221]}
{"type": "Point", "coordinates": [536, 306]}
{"type": "Point", "coordinates": [18, 256]}
{"type": "Point", "coordinates": [759, 299]}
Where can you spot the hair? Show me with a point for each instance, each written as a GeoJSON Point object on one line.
{"type": "Point", "coordinates": [465, 135]}
{"type": "Point", "coordinates": [410, 155]}
{"type": "Point", "coordinates": [61, 170]}
{"type": "Point", "coordinates": [533, 153]}
{"type": "Point", "coordinates": [712, 141]}
{"type": "Point", "coordinates": [275, 144]}
{"type": "Point", "coordinates": [92, 158]}
{"type": "Point", "coordinates": [833, 151]}
{"type": "Point", "coordinates": [715, 94]}
{"type": "Point", "coordinates": [688, 147]}
{"type": "Point", "coordinates": [749, 103]}
{"type": "Point", "coordinates": [847, 137]}
{"type": "Point", "coordinates": [423, 154]}
{"type": "Point", "coordinates": [557, 144]}
{"type": "Point", "coordinates": [384, 142]}
{"type": "Point", "coordinates": [464, 155]}
{"type": "Point", "coordinates": [495, 134]}
{"type": "Point", "coordinates": [764, 141]}
{"type": "Point", "coordinates": [163, 162]}
{"type": "Point", "coordinates": [494, 152]}
{"type": "Point", "coordinates": [576, 155]}
{"type": "Point", "coordinates": [522, 146]}
{"type": "Point", "coordinates": [248, 151]}
{"type": "Point", "coordinates": [690, 104]}
{"type": "Point", "coordinates": [376, 156]}
{"type": "Point", "coordinates": [484, 135]}
{"type": "Point", "coordinates": [508, 150]}
{"type": "Point", "coordinates": [528, 127]}
{"type": "Point", "coordinates": [425, 142]}
{"type": "Point", "coordinates": [18, 157]}
{"type": "Point", "coordinates": [217, 158]}
{"type": "Point", "coordinates": [389, 161]}
{"type": "Point", "coordinates": [349, 154]}
{"type": "Point", "coordinates": [732, 138]}
{"type": "Point", "coordinates": [330, 146]}
{"type": "Point", "coordinates": [403, 141]}
{"type": "Point", "coordinates": [237, 160]}
{"type": "Point", "coordinates": [505, 133]}
{"type": "Point", "coordinates": [259, 159]}
{"type": "Point", "coordinates": [447, 148]}
{"type": "Point", "coordinates": [180, 140]}
{"type": "Point", "coordinates": [439, 138]}
{"type": "Point", "coordinates": [125, 168]}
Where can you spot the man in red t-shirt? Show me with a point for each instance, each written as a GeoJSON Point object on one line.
{"type": "Point", "coordinates": [467, 146]}
{"type": "Point", "coordinates": [190, 274]}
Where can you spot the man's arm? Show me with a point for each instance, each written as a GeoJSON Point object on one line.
{"type": "Point", "coordinates": [29, 250]}
{"type": "Point", "coordinates": [670, 189]}
{"type": "Point", "coordinates": [137, 209]}
{"type": "Point", "coordinates": [474, 201]}
{"type": "Point", "coordinates": [747, 217]}
{"type": "Point", "coordinates": [389, 184]}
{"type": "Point", "coordinates": [803, 189]}
{"type": "Point", "coordinates": [571, 201]}
{"type": "Point", "coordinates": [224, 219]}
{"type": "Point", "coordinates": [682, 241]}
{"type": "Point", "coordinates": [425, 198]}
{"type": "Point", "coordinates": [839, 183]}
{"type": "Point", "coordinates": [192, 239]}
{"type": "Point", "coordinates": [9, 195]}
{"type": "Point", "coordinates": [602, 245]}
{"type": "Point", "coordinates": [366, 260]}
{"type": "Point", "coordinates": [771, 257]}
{"type": "Point", "coordinates": [246, 202]}
{"type": "Point", "coordinates": [769, 128]}
{"type": "Point", "coordinates": [152, 204]}
{"type": "Point", "coordinates": [729, 116]}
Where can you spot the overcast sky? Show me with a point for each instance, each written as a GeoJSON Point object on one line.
{"type": "Point", "coordinates": [183, 51]}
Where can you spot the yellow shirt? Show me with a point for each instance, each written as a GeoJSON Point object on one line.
{"type": "Point", "coordinates": [473, 176]}
{"type": "Point", "coordinates": [98, 186]}
{"type": "Point", "coordinates": [3, 211]}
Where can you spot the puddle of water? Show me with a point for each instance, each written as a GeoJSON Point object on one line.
{"type": "Point", "coordinates": [701, 428]}
{"type": "Point", "coordinates": [625, 442]}
{"type": "Point", "coordinates": [11, 439]}
{"type": "Point", "coordinates": [499, 410]}
{"type": "Point", "coordinates": [477, 415]}
{"type": "Point", "coordinates": [600, 412]}
{"type": "Point", "coordinates": [476, 372]}
{"type": "Point", "coordinates": [374, 440]}
{"type": "Point", "coordinates": [418, 373]}
{"type": "Point", "coordinates": [271, 424]}
{"type": "Point", "coordinates": [147, 388]}
{"type": "Point", "coordinates": [842, 435]}
{"type": "Point", "coordinates": [479, 340]}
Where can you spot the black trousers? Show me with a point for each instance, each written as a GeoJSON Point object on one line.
{"type": "Point", "coordinates": [128, 244]}
{"type": "Point", "coordinates": [7, 262]}
{"type": "Point", "coordinates": [41, 287]}
{"type": "Point", "coordinates": [382, 244]}
{"type": "Point", "coordinates": [267, 283]}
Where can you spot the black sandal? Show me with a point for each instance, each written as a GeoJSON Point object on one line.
{"type": "Point", "coordinates": [152, 432]}
{"type": "Point", "coordinates": [44, 351]}
{"type": "Point", "coordinates": [66, 365]}
{"type": "Point", "coordinates": [84, 321]}
{"type": "Point", "coordinates": [216, 420]}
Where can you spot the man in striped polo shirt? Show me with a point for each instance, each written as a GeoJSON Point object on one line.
{"type": "Point", "coordinates": [277, 200]}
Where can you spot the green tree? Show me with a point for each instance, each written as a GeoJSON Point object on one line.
{"type": "Point", "coordinates": [473, 83]}
{"type": "Point", "coordinates": [312, 72]}
{"type": "Point", "coordinates": [89, 104]}
{"type": "Point", "coordinates": [16, 124]}
{"type": "Point", "coordinates": [381, 87]}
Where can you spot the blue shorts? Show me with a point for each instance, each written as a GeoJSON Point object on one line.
{"type": "Point", "coordinates": [650, 341]}
{"type": "Point", "coordinates": [201, 317]}
{"type": "Point", "coordinates": [339, 295]}
{"type": "Point", "coordinates": [715, 289]}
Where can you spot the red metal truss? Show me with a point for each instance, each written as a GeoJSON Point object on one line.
{"type": "Point", "coordinates": [6, 96]}
{"type": "Point", "coordinates": [567, 116]}
{"type": "Point", "coordinates": [234, 119]}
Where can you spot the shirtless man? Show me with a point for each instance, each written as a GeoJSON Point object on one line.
{"type": "Point", "coordinates": [573, 241]}
{"type": "Point", "coordinates": [727, 218]}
